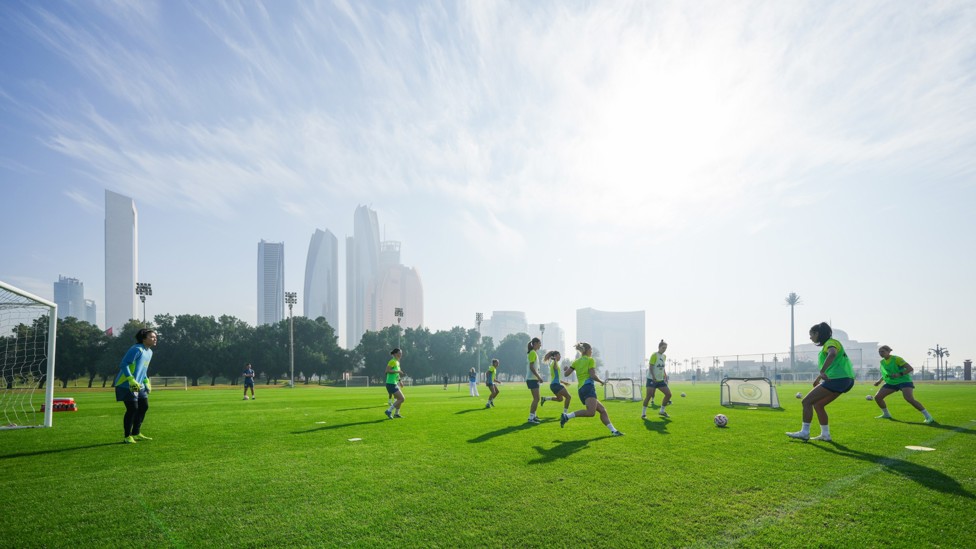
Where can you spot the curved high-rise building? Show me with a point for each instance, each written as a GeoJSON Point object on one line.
{"type": "Point", "coordinates": [321, 297]}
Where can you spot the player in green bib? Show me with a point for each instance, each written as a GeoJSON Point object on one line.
{"type": "Point", "coordinates": [897, 376]}
{"type": "Point", "coordinates": [552, 358]}
{"type": "Point", "coordinates": [532, 376]}
{"type": "Point", "coordinates": [393, 373]}
{"type": "Point", "coordinates": [657, 379]}
{"type": "Point", "coordinates": [491, 380]}
{"type": "Point", "coordinates": [836, 378]}
{"type": "Point", "coordinates": [585, 368]}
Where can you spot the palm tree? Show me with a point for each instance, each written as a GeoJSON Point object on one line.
{"type": "Point", "coordinates": [792, 300]}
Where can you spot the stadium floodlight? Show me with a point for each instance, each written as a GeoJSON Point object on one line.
{"type": "Point", "coordinates": [291, 298]}
{"type": "Point", "coordinates": [28, 326]}
{"type": "Point", "coordinates": [143, 289]}
{"type": "Point", "coordinates": [792, 300]}
{"type": "Point", "coordinates": [478, 318]}
{"type": "Point", "coordinates": [398, 313]}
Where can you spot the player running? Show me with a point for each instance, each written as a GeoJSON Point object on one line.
{"type": "Point", "coordinates": [393, 384]}
{"type": "Point", "coordinates": [657, 378]}
{"type": "Point", "coordinates": [897, 376]}
{"type": "Point", "coordinates": [836, 378]}
{"type": "Point", "coordinates": [585, 368]}
{"type": "Point", "coordinates": [532, 376]}
{"type": "Point", "coordinates": [555, 383]}
{"type": "Point", "coordinates": [491, 380]}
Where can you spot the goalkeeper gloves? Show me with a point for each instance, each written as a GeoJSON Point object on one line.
{"type": "Point", "coordinates": [134, 385]}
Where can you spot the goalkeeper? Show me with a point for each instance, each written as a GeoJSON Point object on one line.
{"type": "Point", "coordinates": [132, 384]}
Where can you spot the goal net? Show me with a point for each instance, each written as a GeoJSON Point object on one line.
{"type": "Point", "coordinates": [749, 391]}
{"type": "Point", "coordinates": [167, 382]}
{"type": "Point", "coordinates": [622, 388]}
{"type": "Point", "coordinates": [28, 325]}
{"type": "Point", "coordinates": [357, 381]}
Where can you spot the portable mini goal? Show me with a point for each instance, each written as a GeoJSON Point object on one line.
{"type": "Point", "coordinates": [749, 391]}
{"type": "Point", "coordinates": [622, 388]}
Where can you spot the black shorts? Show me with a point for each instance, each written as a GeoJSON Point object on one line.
{"type": "Point", "coordinates": [392, 388]}
{"type": "Point", "coordinates": [899, 387]}
{"type": "Point", "coordinates": [651, 384]}
{"type": "Point", "coordinates": [556, 388]}
{"type": "Point", "coordinates": [839, 385]}
{"type": "Point", "coordinates": [532, 383]}
{"type": "Point", "coordinates": [585, 391]}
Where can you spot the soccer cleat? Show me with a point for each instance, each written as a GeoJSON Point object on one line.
{"type": "Point", "coordinates": [141, 436]}
{"type": "Point", "coordinates": [662, 413]}
{"type": "Point", "coordinates": [397, 416]}
{"type": "Point", "coordinates": [129, 440]}
{"type": "Point", "coordinates": [884, 416]}
{"type": "Point", "coordinates": [643, 416]}
{"type": "Point", "coordinates": [563, 419]}
{"type": "Point", "coordinates": [543, 401]}
{"type": "Point", "coordinates": [800, 435]}
{"type": "Point", "coordinates": [929, 421]}
{"type": "Point", "coordinates": [488, 404]}
{"type": "Point", "coordinates": [492, 403]}
{"type": "Point", "coordinates": [616, 434]}
{"type": "Point", "coordinates": [388, 413]}
{"type": "Point", "coordinates": [825, 438]}
{"type": "Point", "coordinates": [535, 420]}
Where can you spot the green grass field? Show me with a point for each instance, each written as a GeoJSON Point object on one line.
{"type": "Point", "coordinates": [281, 471]}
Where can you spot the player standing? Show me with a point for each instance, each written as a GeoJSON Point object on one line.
{"type": "Point", "coordinates": [585, 368]}
{"type": "Point", "coordinates": [473, 383]}
{"type": "Point", "coordinates": [657, 378]}
{"type": "Point", "coordinates": [555, 382]}
{"type": "Point", "coordinates": [836, 378]}
{"type": "Point", "coordinates": [132, 385]}
{"type": "Point", "coordinates": [897, 376]}
{"type": "Point", "coordinates": [491, 380]}
{"type": "Point", "coordinates": [248, 381]}
{"type": "Point", "coordinates": [393, 384]}
{"type": "Point", "coordinates": [533, 377]}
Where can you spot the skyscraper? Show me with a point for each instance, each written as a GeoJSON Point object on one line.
{"type": "Point", "coordinates": [362, 265]}
{"type": "Point", "coordinates": [69, 294]}
{"type": "Point", "coordinates": [90, 312]}
{"type": "Point", "coordinates": [395, 286]}
{"type": "Point", "coordinates": [121, 259]}
{"type": "Point", "coordinates": [321, 297]}
{"type": "Point", "coordinates": [617, 337]}
{"type": "Point", "coordinates": [271, 282]}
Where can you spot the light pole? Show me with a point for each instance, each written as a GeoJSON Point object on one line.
{"type": "Point", "coordinates": [142, 290]}
{"type": "Point", "coordinates": [478, 317]}
{"type": "Point", "coordinates": [291, 298]}
{"type": "Point", "coordinates": [398, 313]}
{"type": "Point", "coordinates": [792, 300]}
{"type": "Point", "coordinates": [938, 352]}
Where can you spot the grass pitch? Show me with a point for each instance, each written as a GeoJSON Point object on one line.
{"type": "Point", "coordinates": [282, 470]}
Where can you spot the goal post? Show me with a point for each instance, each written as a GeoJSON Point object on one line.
{"type": "Point", "coordinates": [28, 329]}
{"type": "Point", "coordinates": [167, 382]}
{"type": "Point", "coordinates": [622, 388]}
{"type": "Point", "coordinates": [357, 381]}
{"type": "Point", "coordinates": [749, 391]}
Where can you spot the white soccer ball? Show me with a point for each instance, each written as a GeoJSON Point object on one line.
{"type": "Point", "coordinates": [799, 395]}
{"type": "Point", "coordinates": [869, 397]}
{"type": "Point", "coordinates": [245, 397]}
{"type": "Point", "coordinates": [683, 395]}
{"type": "Point", "coordinates": [721, 420]}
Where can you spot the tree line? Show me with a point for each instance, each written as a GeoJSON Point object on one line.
{"type": "Point", "coordinates": [205, 348]}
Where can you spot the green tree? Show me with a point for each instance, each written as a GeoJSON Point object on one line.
{"type": "Point", "coordinates": [511, 354]}
{"type": "Point", "coordinates": [78, 349]}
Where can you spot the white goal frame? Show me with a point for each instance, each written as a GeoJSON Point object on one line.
{"type": "Point", "coordinates": [20, 401]}
{"type": "Point", "coordinates": [749, 391]}
{"type": "Point", "coordinates": [168, 382]}
{"type": "Point", "coordinates": [361, 378]}
{"type": "Point", "coordinates": [622, 388]}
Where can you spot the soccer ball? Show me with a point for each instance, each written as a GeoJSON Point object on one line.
{"type": "Point", "coordinates": [869, 397]}
{"type": "Point", "coordinates": [245, 397]}
{"type": "Point", "coordinates": [721, 420]}
{"type": "Point", "coordinates": [683, 395]}
{"type": "Point", "coordinates": [799, 395]}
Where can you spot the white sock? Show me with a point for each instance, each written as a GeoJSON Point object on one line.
{"type": "Point", "coordinates": [885, 412]}
{"type": "Point", "coordinates": [805, 429]}
{"type": "Point", "coordinates": [644, 411]}
{"type": "Point", "coordinates": [824, 431]}
{"type": "Point", "coordinates": [571, 415]}
{"type": "Point", "coordinates": [610, 426]}
{"type": "Point", "coordinates": [566, 411]}
{"type": "Point", "coordinates": [391, 408]}
{"type": "Point", "coordinates": [664, 407]}
{"type": "Point", "coordinates": [926, 414]}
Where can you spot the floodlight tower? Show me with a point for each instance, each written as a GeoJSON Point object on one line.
{"type": "Point", "coordinates": [143, 289]}
{"type": "Point", "coordinates": [398, 313]}
{"type": "Point", "coordinates": [792, 300]}
{"type": "Point", "coordinates": [291, 298]}
{"type": "Point", "coordinates": [478, 317]}
{"type": "Point", "coordinates": [938, 352]}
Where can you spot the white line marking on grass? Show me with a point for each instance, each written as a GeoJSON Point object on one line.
{"type": "Point", "coordinates": [319, 422]}
{"type": "Point", "coordinates": [920, 448]}
{"type": "Point", "coordinates": [355, 439]}
{"type": "Point", "coordinates": [747, 529]}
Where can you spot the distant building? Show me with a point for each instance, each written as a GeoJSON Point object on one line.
{"type": "Point", "coordinates": [617, 337]}
{"type": "Point", "coordinates": [271, 282]}
{"type": "Point", "coordinates": [863, 354]}
{"type": "Point", "coordinates": [502, 324]}
{"type": "Point", "coordinates": [121, 260]}
{"type": "Point", "coordinates": [321, 297]}
{"type": "Point", "coordinates": [90, 312]}
{"type": "Point", "coordinates": [69, 295]}
{"type": "Point", "coordinates": [362, 265]}
{"type": "Point", "coordinates": [553, 339]}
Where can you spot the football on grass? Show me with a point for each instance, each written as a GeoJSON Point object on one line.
{"type": "Point", "coordinates": [721, 420]}
{"type": "Point", "coordinates": [799, 395]}
{"type": "Point", "coordinates": [869, 397]}
{"type": "Point", "coordinates": [683, 395]}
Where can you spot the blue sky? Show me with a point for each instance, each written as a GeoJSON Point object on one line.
{"type": "Point", "coordinates": [696, 160]}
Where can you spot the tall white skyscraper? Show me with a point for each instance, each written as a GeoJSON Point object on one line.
{"type": "Point", "coordinates": [362, 266]}
{"type": "Point", "coordinates": [69, 294]}
{"type": "Point", "coordinates": [121, 260]}
{"type": "Point", "coordinates": [618, 338]}
{"type": "Point", "coordinates": [321, 297]}
{"type": "Point", "coordinates": [395, 286]}
{"type": "Point", "coordinates": [271, 282]}
{"type": "Point", "coordinates": [90, 312]}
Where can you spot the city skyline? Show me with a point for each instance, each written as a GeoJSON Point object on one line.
{"type": "Point", "coordinates": [695, 161]}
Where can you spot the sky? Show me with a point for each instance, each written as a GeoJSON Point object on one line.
{"type": "Point", "coordinates": [695, 160]}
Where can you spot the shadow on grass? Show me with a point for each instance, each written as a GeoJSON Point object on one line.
{"type": "Point", "coordinates": [362, 408]}
{"type": "Point", "coordinates": [478, 409]}
{"type": "Point", "coordinates": [560, 451]}
{"type": "Point", "coordinates": [936, 425]}
{"type": "Point", "coordinates": [926, 476]}
{"type": "Point", "coordinates": [58, 450]}
{"type": "Point", "coordinates": [505, 431]}
{"type": "Point", "coordinates": [659, 427]}
{"type": "Point", "coordinates": [340, 426]}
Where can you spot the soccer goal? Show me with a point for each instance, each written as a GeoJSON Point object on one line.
{"type": "Point", "coordinates": [357, 381]}
{"type": "Point", "coordinates": [622, 388]}
{"type": "Point", "coordinates": [167, 382]}
{"type": "Point", "coordinates": [28, 325]}
{"type": "Point", "coordinates": [749, 391]}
